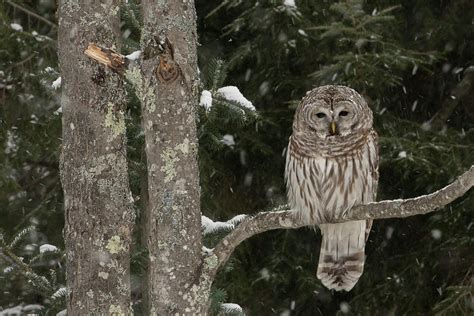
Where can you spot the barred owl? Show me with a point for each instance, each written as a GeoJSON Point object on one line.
{"type": "Point", "coordinates": [332, 165]}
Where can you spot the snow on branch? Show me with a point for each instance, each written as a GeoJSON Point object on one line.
{"type": "Point", "coordinates": [228, 93]}
{"type": "Point", "coordinates": [232, 93]}
{"type": "Point", "coordinates": [211, 227]}
{"type": "Point", "coordinates": [282, 217]}
{"type": "Point", "coordinates": [47, 248]}
{"type": "Point", "coordinates": [231, 308]}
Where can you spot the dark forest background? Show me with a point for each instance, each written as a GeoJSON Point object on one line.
{"type": "Point", "coordinates": [412, 61]}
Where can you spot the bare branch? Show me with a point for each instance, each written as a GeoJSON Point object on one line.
{"type": "Point", "coordinates": [29, 12]}
{"type": "Point", "coordinates": [282, 217]}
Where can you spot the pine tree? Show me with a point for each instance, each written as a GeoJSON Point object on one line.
{"type": "Point", "coordinates": [407, 58]}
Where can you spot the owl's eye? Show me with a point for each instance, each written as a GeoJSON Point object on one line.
{"type": "Point", "coordinates": [343, 113]}
{"type": "Point", "coordinates": [320, 114]}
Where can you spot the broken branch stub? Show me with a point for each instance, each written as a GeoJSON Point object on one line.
{"type": "Point", "coordinates": [167, 70]}
{"type": "Point", "coordinates": [113, 60]}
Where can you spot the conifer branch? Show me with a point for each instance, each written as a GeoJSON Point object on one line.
{"type": "Point", "coordinates": [31, 13]}
{"type": "Point", "coordinates": [450, 103]}
{"type": "Point", "coordinates": [8, 253]}
{"type": "Point", "coordinates": [283, 218]}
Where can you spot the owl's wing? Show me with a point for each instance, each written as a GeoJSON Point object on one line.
{"type": "Point", "coordinates": [374, 171]}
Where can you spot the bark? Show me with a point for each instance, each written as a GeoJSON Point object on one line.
{"type": "Point", "coordinates": [168, 93]}
{"type": "Point", "coordinates": [97, 199]}
{"type": "Point", "coordinates": [179, 279]}
{"type": "Point", "coordinates": [282, 217]}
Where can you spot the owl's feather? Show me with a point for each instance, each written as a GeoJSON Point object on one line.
{"type": "Point", "coordinates": [325, 178]}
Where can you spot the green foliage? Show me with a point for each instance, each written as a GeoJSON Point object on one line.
{"type": "Point", "coordinates": [224, 117]}
{"type": "Point", "coordinates": [40, 270]}
{"type": "Point", "coordinates": [405, 57]}
{"type": "Point", "coordinates": [20, 236]}
{"type": "Point", "coordinates": [132, 24]}
{"type": "Point", "coordinates": [366, 50]}
{"type": "Point", "coordinates": [218, 297]}
{"type": "Point", "coordinates": [30, 131]}
{"type": "Point", "coordinates": [456, 302]}
{"type": "Point", "coordinates": [395, 54]}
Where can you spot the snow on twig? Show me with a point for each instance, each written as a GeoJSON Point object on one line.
{"type": "Point", "coordinates": [56, 84]}
{"type": "Point", "coordinates": [47, 247]}
{"type": "Point", "coordinates": [16, 27]}
{"type": "Point", "coordinates": [237, 219]}
{"type": "Point", "coordinates": [289, 3]}
{"type": "Point", "coordinates": [206, 100]}
{"type": "Point", "coordinates": [61, 292]}
{"type": "Point", "coordinates": [229, 93]}
{"type": "Point", "coordinates": [232, 93]}
{"type": "Point", "coordinates": [232, 308]}
{"type": "Point", "coordinates": [210, 227]}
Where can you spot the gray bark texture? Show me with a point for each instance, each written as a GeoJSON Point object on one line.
{"type": "Point", "coordinates": [168, 88]}
{"type": "Point", "coordinates": [179, 276]}
{"type": "Point", "coordinates": [282, 217]}
{"type": "Point", "coordinates": [97, 199]}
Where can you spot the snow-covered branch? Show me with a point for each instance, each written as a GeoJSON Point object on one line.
{"type": "Point", "coordinates": [282, 217]}
{"type": "Point", "coordinates": [210, 227]}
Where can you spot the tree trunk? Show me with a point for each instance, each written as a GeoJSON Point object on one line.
{"type": "Point", "coordinates": [97, 199]}
{"type": "Point", "coordinates": [168, 94]}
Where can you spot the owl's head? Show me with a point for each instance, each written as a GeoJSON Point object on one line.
{"type": "Point", "coordinates": [332, 111]}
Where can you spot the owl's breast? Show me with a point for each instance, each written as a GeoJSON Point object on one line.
{"type": "Point", "coordinates": [320, 188]}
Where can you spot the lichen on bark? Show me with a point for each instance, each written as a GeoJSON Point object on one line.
{"type": "Point", "coordinates": [93, 166]}
{"type": "Point", "coordinates": [114, 245]}
{"type": "Point", "coordinates": [173, 229]}
{"type": "Point", "coordinates": [143, 88]}
{"type": "Point", "coordinates": [115, 120]}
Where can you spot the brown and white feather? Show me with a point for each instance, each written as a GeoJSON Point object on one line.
{"type": "Point", "coordinates": [327, 176]}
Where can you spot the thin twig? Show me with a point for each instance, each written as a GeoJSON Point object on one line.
{"type": "Point", "coordinates": [21, 62]}
{"type": "Point", "coordinates": [7, 252]}
{"type": "Point", "coordinates": [39, 17]}
{"type": "Point", "coordinates": [450, 103]}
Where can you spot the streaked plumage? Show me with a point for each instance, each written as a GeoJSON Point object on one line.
{"type": "Point", "coordinates": [332, 165]}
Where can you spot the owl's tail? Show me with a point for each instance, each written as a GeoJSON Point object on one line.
{"type": "Point", "coordinates": [341, 260]}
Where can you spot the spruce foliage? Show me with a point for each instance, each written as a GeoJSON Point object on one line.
{"type": "Point", "coordinates": [405, 57]}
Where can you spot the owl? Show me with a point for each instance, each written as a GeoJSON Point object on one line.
{"type": "Point", "coordinates": [332, 165]}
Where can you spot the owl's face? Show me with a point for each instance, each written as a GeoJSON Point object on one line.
{"type": "Point", "coordinates": [331, 111]}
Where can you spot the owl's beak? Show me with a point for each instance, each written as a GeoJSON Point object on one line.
{"type": "Point", "coordinates": [333, 128]}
